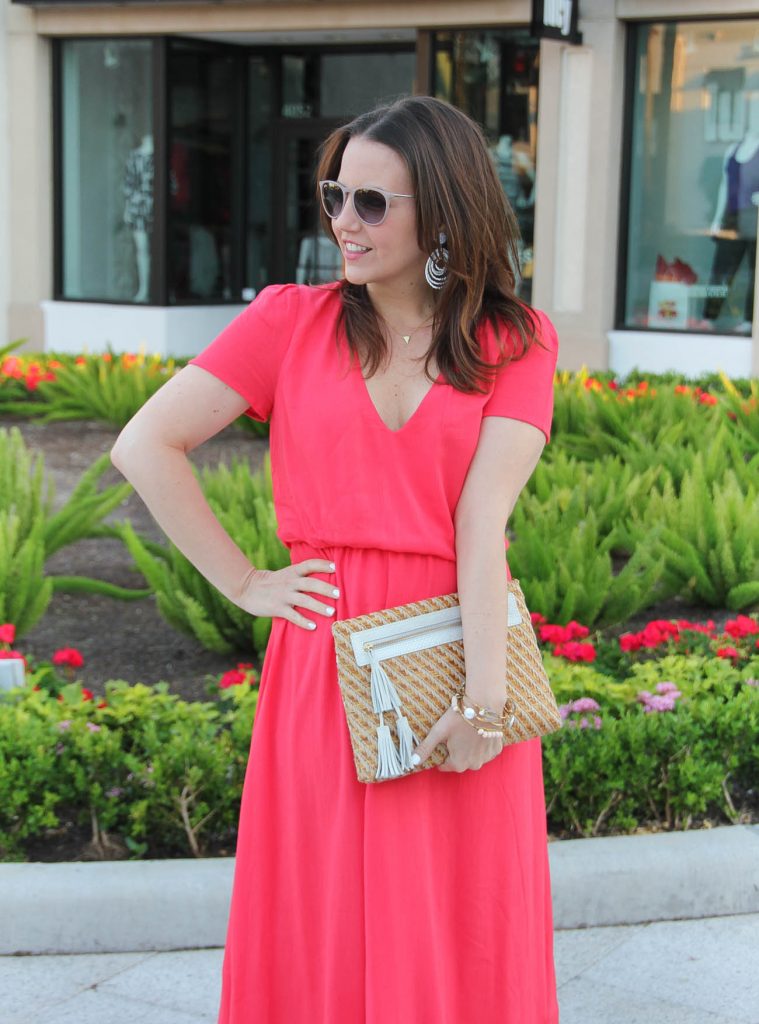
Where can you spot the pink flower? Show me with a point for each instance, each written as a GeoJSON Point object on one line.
{"type": "Point", "coordinates": [64, 724]}
{"type": "Point", "coordinates": [597, 721]}
{"type": "Point", "coordinates": [7, 633]}
{"type": "Point", "coordinates": [657, 701]}
{"type": "Point", "coordinates": [92, 727]}
{"type": "Point", "coordinates": [69, 656]}
{"type": "Point", "coordinates": [669, 688]}
{"type": "Point", "coordinates": [585, 704]}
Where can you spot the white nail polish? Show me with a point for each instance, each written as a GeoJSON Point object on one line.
{"type": "Point", "coordinates": [312, 625]}
{"type": "Point", "coordinates": [335, 593]}
{"type": "Point", "coordinates": [416, 759]}
{"type": "Point", "coordinates": [332, 566]}
{"type": "Point", "coordinates": [330, 611]}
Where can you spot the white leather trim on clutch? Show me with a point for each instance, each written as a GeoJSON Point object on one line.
{"type": "Point", "coordinates": [416, 634]}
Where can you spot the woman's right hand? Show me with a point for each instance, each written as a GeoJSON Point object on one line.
{"type": "Point", "coordinates": [271, 593]}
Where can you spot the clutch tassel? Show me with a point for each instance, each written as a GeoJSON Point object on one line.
{"type": "Point", "coordinates": [384, 694]}
{"type": "Point", "coordinates": [388, 763]}
{"type": "Point", "coordinates": [407, 741]}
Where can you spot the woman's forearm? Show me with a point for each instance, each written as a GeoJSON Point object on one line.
{"type": "Point", "coordinates": [483, 597]}
{"type": "Point", "coordinates": [164, 479]}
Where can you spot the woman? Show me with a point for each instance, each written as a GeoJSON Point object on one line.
{"type": "Point", "coordinates": [398, 453]}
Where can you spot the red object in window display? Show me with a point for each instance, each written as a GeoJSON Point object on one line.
{"type": "Point", "coordinates": [677, 270]}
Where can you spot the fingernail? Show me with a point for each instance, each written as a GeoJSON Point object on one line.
{"type": "Point", "coordinates": [416, 759]}
{"type": "Point", "coordinates": [330, 611]}
{"type": "Point", "coordinates": [332, 566]}
{"type": "Point", "coordinates": [312, 625]}
{"type": "Point", "coordinates": [335, 593]}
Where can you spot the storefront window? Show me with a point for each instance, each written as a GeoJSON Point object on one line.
{"type": "Point", "coordinates": [202, 137]}
{"type": "Point", "coordinates": [493, 77]}
{"type": "Point", "coordinates": [107, 169]}
{"type": "Point", "coordinates": [694, 177]}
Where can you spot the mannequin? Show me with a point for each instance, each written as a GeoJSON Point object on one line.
{"type": "Point", "coordinates": [138, 209]}
{"type": "Point", "coordinates": [734, 226]}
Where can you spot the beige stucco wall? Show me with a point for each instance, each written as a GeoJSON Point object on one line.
{"type": "Point", "coordinates": [4, 171]}
{"type": "Point", "coordinates": [30, 220]}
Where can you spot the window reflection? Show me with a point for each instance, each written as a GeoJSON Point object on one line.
{"type": "Point", "coordinates": [201, 127]}
{"type": "Point", "coordinates": [694, 184]}
{"type": "Point", "coordinates": [493, 77]}
{"type": "Point", "coordinates": [107, 169]}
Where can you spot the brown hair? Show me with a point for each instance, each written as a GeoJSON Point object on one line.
{"type": "Point", "coordinates": [456, 185]}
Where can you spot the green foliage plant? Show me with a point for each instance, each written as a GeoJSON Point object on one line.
{"type": "Point", "coordinates": [707, 537]}
{"type": "Point", "coordinates": [31, 532]}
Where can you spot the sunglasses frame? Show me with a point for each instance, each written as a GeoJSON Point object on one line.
{"type": "Point", "coordinates": [349, 193]}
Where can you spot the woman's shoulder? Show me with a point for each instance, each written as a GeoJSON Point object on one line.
{"type": "Point", "coordinates": [295, 300]}
{"type": "Point", "coordinates": [539, 327]}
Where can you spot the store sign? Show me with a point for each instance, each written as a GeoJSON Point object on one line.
{"type": "Point", "coordinates": [556, 19]}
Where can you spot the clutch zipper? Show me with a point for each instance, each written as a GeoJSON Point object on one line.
{"type": "Point", "coordinates": [419, 631]}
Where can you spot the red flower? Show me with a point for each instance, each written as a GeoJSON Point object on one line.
{"type": "Point", "coordinates": [7, 655]}
{"type": "Point", "coordinates": [68, 656]}
{"type": "Point", "coordinates": [103, 704]}
{"type": "Point", "coordinates": [12, 367]}
{"type": "Point", "coordinates": [87, 694]}
{"type": "Point", "coordinates": [37, 687]}
{"type": "Point", "coordinates": [727, 652]}
{"type": "Point", "coordinates": [232, 678]}
{"type": "Point", "coordinates": [7, 633]}
{"type": "Point", "coordinates": [738, 627]}
{"type": "Point", "coordinates": [630, 642]}
{"type": "Point", "coordinates": [575, 652]}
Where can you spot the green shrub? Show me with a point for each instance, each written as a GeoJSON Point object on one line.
{"type": "Point", "coordinates": [662, 768]}
{"type": "Point", "coordinates": [161, 774]}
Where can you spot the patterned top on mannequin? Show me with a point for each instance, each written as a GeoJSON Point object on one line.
{"type": "Point", "coordinates": [138, 186]}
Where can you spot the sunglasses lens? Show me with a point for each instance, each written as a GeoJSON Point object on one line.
{"type": "Point", "coordinates": [370, 205]}
{"type": "Point", "coordinates": [332, 199]}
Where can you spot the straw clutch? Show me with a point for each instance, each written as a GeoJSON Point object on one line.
{"type": "Point", "coordinates": [399, 668]}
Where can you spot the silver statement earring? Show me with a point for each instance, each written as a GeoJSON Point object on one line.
{"type": "Point", "coordinates": [436, 268]}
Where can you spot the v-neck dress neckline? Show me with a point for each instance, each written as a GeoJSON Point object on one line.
{"type": "Point", "coordinates": [435, 385]}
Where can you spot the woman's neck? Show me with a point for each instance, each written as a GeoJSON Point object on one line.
{"type": "Point", "coordinates": [403, 308]}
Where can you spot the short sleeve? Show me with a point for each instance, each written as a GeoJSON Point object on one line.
{"type": "Point", "coordinates": [248, 353]}
{"type": "Point", "coordinates": [523, 389]}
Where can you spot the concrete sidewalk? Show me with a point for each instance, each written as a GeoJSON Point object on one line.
{"type": "Point", "coordinates": [651, 929]}
{"type": "Point", "coordinates": [674, 972]}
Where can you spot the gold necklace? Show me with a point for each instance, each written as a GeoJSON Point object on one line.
{"type": "Point", "coordinates": [407, 337]}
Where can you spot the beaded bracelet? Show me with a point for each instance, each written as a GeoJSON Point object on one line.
{"type": "Point", "coordinates": [487, 715]}
{"type": "Point", "coordinates": [475, 720]}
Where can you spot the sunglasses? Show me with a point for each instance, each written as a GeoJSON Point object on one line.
{"type": "Point", "coordinates": [371, 204]}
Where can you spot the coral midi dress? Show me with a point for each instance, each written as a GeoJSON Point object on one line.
{"type": "Point", "coordinates": [419, 900]}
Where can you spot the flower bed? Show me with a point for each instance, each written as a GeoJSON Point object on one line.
{"type": "Point", "coordinates": [667, 741]}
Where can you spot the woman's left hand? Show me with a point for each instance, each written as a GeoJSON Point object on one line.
{"type": "Point", "coordinates": [467, 750]}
